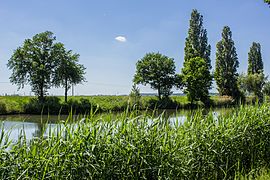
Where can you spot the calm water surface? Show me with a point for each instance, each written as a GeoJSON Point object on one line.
{"type": "Point", "coordinates": [35, 125]}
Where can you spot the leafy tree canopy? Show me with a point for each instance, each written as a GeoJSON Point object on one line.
{"type": "Point", "coordinates": [67, 71]}
{"type": "Point", "coordinates": [266, 88]}
{"type": "Point", "coordinates": [226, 65]}
{"type": "Point", "coordinates": [197, 41]}
{"type": "Point", "coordinates": [196, 86]}
{"type": "Point", "coordinates": [197, 50]}
{"type": "Point", "coordinates": [255, 63]}
{"type": "Point", "coordinates": [42, 63]}
{"type": "Point", "coordinates": [252, 84]}
{"type": "Point", "coordinates": [33, 63]}
{"type": "Point", "coordinates": [158, 71]}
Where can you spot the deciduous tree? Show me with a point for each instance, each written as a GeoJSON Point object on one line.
{"type": "Point", "coordinates": [33, 63]}
{"type": "Point", "coordinates": [196, 86]}
{"type": "Point", "coordinates": [197, 48]}
{"type": "Point", "coordinates": [135, 96]}
{"type": "Point", "coordinates": [197, 42]}
{"type": "Point", "coordinates": [253, 84]}
{"type": "Point", "coordinates": [158, 71]}
{"type": "Point", "coordinates": [266, 88]}
{"type": "Point", "coordinates": [255, 63]}
{"type": "Point", "coordinates": [226, 65]}
{"type": "Point", "coordinates": [68, 71]}
{"type": "Point", "coordinates": [255, 79]}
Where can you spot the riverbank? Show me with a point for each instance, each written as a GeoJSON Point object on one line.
{"type": "Point", "coordinates": [83, 104]}
{"type": "Point", "coordinates": [233, 146]}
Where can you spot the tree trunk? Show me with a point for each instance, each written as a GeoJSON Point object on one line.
{"type": "Point", "coordinates": [41, 95]}
{"type": "Point", "coordinates": [159, 95]}
{"type": "Point", "coordinates": [66, 89]}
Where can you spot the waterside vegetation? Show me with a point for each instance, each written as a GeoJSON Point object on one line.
{"type": "Point", "coordinates": [140, 146]}
{"type": "Point", "coordinates": [83, 104]}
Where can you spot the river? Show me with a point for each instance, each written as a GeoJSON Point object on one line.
{"type": "Point", "coordinates": [36, 125]}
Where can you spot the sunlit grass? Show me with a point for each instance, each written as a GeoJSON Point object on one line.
{"type": "Point", "coordinates": [135, 146]}
{"type": "Point", "coordinates": [30, 105]}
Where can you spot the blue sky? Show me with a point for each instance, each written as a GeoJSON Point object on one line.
{"type": "Point", "coordinates": [89, 27]}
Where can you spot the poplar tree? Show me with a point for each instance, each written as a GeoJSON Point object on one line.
{"type": "Point", "coordinates": [255, 63]}
{"type": "Point", "coordinates": [197, 46]}
{"type": "Point", "coordinates": [226, 65]}
{"type": "Point", "coordinates": [255, 78]}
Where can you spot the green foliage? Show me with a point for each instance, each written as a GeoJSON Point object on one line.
{"type": "Point", "coordinates": [13, 104]}
{"type": "Point", "coordinates": [252, 83]}
{"type": "Point", "coordinates": [3, 108]}
{"type": "Point", "coordinates": [197, 42]}
{"type": "Point", "coordinates": [50, 105]}
{"type": "Point", "coordinates": [197, 49]}
{"type": "Point", "coordinates": [33, 63]}
{"type": "Point", "coordinates": [82, 104]}
{"type": "Point", "coordinates": [266, 88]}
{"type": "Point", "coordinates": [267, 1]}
{"type": "Point", "coordinates": [135, 96]}
{"type": "Point", "coordinates": [226, 65]}
{"type": "Point", "coordinates": [42, 63]}
{"type": "Point", "coordinates": [255, 63]}
{"type": "Point", "coordinates": [67, 71]}
{"type": "Point", "coordinates": [158, 71]}
{"type": "Point", "coordinates": [195, 80]}
{"type": "Point", "coordinates": [144, 147]}
{"type": "Point", "coordinates": [164, 103]}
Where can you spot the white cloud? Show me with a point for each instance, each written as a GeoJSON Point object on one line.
{"type": "Point", "coordinates": [121, 39]}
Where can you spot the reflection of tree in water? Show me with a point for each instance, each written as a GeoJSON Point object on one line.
{"type": "Point", "coordinates": [40, 129]}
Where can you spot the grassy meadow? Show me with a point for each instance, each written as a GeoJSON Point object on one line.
{"type": "Point", "coordinates": [134, 146]}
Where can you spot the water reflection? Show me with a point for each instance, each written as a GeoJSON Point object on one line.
{"type": "Point", "coordinates": [36, 126]}
{"type": "Point", "coordinates": [39, 130]}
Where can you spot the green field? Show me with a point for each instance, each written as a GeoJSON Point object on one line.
{"type": "Point", "coordinates": [82, 104]}
{"type": "Point", "coordinates": [134, 146]}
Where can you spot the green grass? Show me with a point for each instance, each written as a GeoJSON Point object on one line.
{"type": "Point", "coordinates": [13, 104]}
{"type": "Point", "coordinates": [133, 146]}
{"type": "Point", "coordinates": [82, 104]}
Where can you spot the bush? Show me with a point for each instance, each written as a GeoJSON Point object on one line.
{"type": "Point", "coordinates": [51, 105]}
{"type": "Point", "coordinates": [81, 106]}
{"type": "Point", "coordinates": [3, 108]}
{"type": "Point", "coordinates": [164, 103]}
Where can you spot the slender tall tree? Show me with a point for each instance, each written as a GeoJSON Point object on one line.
{"type": "Point", "coordinates": [255, 78]}
{"type": "Point", "coordinates": [226, 65]}
{"type": "Point", "coordinates": [197, 47]}
{"type": "Point", "coordinates": [68, 71]}
{"type": "Point", "coordinates": [197, 41]}
{"type": "Point", "coordinates": [255, 63]}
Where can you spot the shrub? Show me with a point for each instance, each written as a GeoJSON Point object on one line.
{"type": "Point", "coordinates": [50, 105]}
{"type": "Point", "coordinates": [3, 108]}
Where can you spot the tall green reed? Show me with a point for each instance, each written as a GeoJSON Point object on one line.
{"type": "Point", "coordinates": [135, 146]}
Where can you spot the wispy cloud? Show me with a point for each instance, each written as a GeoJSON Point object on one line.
{"type": "Point", "coordinates": [121, 39]}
